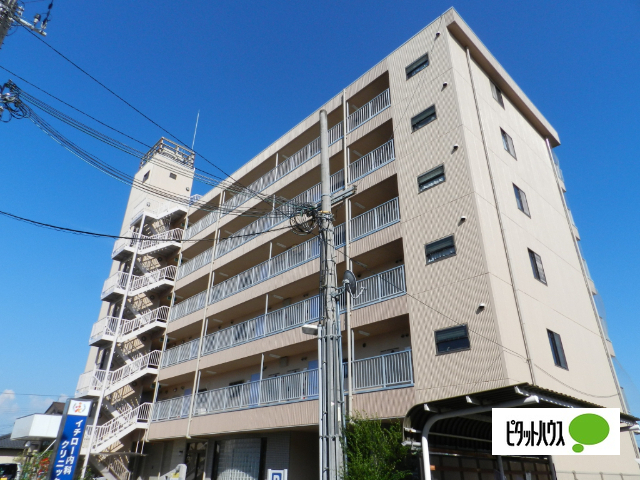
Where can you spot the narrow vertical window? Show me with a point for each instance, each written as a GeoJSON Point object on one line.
{"type": "Point", "coordinates": [557, 351]}
{"type": "Point", "coordinates": [521, 200]}
{"type": "Point", "coordinates": [146, 176]}
{"type": "Point", "coordinates": [497, 94]}
{"type": "Point", "coordinates": [536, 266]}
{"type": "Point", "coordinates": [417, 66]}
{"type": "Point", "coordinates": [507, 141]}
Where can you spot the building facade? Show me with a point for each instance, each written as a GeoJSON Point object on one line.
{"type": "Point", "coordinates": [450, 210]}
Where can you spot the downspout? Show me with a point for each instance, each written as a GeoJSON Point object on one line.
{"type": "Point", "coordinates": [502, 232]}
{"type": "Point", "coordinates": [426, 462]}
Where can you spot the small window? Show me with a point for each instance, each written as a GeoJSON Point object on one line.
{"type": "Point", "coordinates": [173, 175]}
{"type": "Point", "coordinates": [521, 200]}
{"type": "Point", "coordinates": [497, 94]}
{"type": "Point", "coordinates": [440, 249]}
{"type": "Point", "coordinates": [146, 176]}
{"type": "Point", "coordinates": [536, 265]}
{"type": "Point", "coordinates": [452, 340]}
{"type": "Point", "coordinates": [424, 118]}
{"type": "Point", "coordinates": [556, 350]}
{"type": "Point", "coordinates": [417, 66]}
{"type": "Point", "coordinates": [431, 178]}
{"type": "Point", "coordinates": [508, 143]}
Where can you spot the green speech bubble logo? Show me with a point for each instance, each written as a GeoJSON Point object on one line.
{"type": "Point", "coordinates": [588, 429]}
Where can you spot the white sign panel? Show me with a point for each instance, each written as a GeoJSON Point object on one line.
{"type": "Point", "coordinates": [79, 408]}
{"type": "Point", "coordinates": [555, 431]}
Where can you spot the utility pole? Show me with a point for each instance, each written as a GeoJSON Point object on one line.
{"type": "Point", "coordinates": [331, 393]}
{"type": "Point", "coordinates": [11, 14]}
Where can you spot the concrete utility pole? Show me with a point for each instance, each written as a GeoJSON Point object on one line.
{"type": "Point", "coordinates": [11, 14]}
{"type": "Point", "coordinates": [330, 356]}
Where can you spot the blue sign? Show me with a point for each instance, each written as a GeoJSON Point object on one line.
{"type": "Point", "coordinates": [277, 474]}
{"type": "Point", "coordinates": [70, 440]}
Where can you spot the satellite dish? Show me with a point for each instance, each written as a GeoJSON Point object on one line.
{"type": "Point", "coordinates": [349, 281]}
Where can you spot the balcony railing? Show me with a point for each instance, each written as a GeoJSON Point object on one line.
{"type": "Point", "coordinates": [181, 353]}
{"type": "Point", "coordinates": [369, 110]}
{"type": "Point", "coordinates": [106, 327]}
{"type": "Point", "coordinates": [195, 263]}
{"type": "Point", "coordinates": [123, 243]}
{"type": "Point", "coordinates": [206, 221]}
{"type": "Point", "coordinates": [372, 161]}
{"type": "Point", "coordinates": [370, 222]}
{"type": "Point", "coordinates": [280, 263]}
{"type": "Point", "coordinates": [172, 150]}
{"type": "Point", "coordinates": [117, 281]}
{"type": "Point", "coordinates": [190, 305]}
{"type": "Point", "coordinates": [262, 326]}
{"type": "Point", "coordinates": [384, 371]}
{"type": "Point", "coordinates": [171, 409]}
{"type": "Point", "coordinates": [156, 276]}
{"type": "Point", "coordinates": [270, 220]}
{"type": "Point", "coordinates": [293, 387]}
{"type": "Point", "coordinates": [376, 288]}
{"type": "Point", "coordinates": [376, 373]}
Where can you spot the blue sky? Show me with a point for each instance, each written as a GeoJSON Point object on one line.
{"type": "Point", "coordinates": [254, 70]}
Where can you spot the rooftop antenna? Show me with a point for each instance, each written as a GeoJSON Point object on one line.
{"type": "Point", "coordinates": [195, 131]}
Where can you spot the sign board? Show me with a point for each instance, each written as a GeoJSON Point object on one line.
{"type": "Point", "coordinates": [277, 474]}
{"type": "Point", "coordinates": [69, 441]}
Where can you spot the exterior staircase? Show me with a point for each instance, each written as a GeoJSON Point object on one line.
{"type": "Point", "coordinates": [118, 427]}
{"type": "Point", "coordinates": [104, 330]}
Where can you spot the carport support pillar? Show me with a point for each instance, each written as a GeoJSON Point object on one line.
{"type": "Point", "coordinates": [426, 462]}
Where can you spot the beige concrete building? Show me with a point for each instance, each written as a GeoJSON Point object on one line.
{"type": "Point", "coordinates": [472, 287]}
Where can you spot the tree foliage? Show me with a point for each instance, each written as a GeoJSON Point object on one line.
{"type": "Point", "coordinates": [374, 451]}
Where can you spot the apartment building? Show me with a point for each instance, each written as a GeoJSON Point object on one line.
{"type": "Point", "coordinates": [449, 208]}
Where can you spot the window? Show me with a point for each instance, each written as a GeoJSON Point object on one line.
{"type": "Point", "coordinates": [508, 143]}
{"type": "Point", "coordinates": [424, 118]}
{"type": "Point", "coordinates": [452, 340]}
{"type": "Point", "coordinates": [173, 175]}
{"type": "Point", "coordinates": [536, 265]}
{"type": "Point", "coordinates": [440, 249]}
{"type": "Point", "coordinates": [556, 350]}
{"type": "Point", "coordinates": [431, 178]}
{"type": "Point", "coordinates": [497, 94]}
{"type": "Point", "coordinates": [521, 200]}
{"type": "Point", "coordinates": [146, 176]}
{"type": "Point", "coordinates": [417, 66]}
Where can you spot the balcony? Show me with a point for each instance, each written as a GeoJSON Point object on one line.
{"type": "Point", "coordinates": [161, 241]}
{"type": "Point", "coordinates": [114, 286]}
{"type": "Point", "coordinates": [104, 330]}
{"type": "Point", "coordinates": [372, 161]}
{"type": "Point", "coordinates": [161, 211]}
{"type": "Point", "coordinates": [124, 247]}
{"type": "Point", "coordinates": [190, 305]}
{"type": "Point", "coordinates": [116, 428]}
{"type": "Point", "coordinates": [374, 289]}
{"type": "Point", "coordinates": [369, 222]}
{"type": "Point", "coordinates": [195, 263]}
{"type": "Point", "coordinates": [299, 158]}
{"type": "Point", "coordinates": [172, 151]}
{"type": "Point", "coordinates": [393, 370]}
{"type": "Point", "coordinates": [91, 383]}
{"type": "Point", "coordinates": [369, 110]}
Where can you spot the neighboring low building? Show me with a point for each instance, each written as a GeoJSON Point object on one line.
{"type": "Point", "coordinates": [473, 285]}
{"type": "Point", "coordinates": [10, 449]}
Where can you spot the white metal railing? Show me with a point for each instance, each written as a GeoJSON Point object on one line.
{"type": "Point", "coordinates": [375, 219]}
{"type": "Point", "coordinates": [383, 371]}
{"type": "Point", "coordinates": [195, 263]}
{"type": "Point", "coordinates": [171, 409]}
{"type": "Point", "coordinates": [375, 373]}
{"type": "Point", "coordinates": [275, 266]}
{"type": "Point", "coordinates": [159, 314]}
{"type": "Point", "coordinates": [172, 150]}
{"type": "Point", "coordinates": [123, 243]}
{"type": "Point", "coordinates": [285, 318]}
{"type": "Point", "coordinates": [117, 280]}
{"type": "Point", "coordinates": [181, 353]}
{"type": "Point", "coordinates": [90, 381]}
{"type": "Point", "coordinates": [116, 466]}
{"type": "Point", "coordinates": [190, 305]}
{"type": "Point", "coordinates": [556, 162]}
{"type": "Point", "coordinates": [150, 360]}
{"type": "Point", "coordinates": [206, 221]}
{"type": "Point", "coordinates": [369, 110]}
{"type": "Point", "coordinates": [155, 276]}
{"type": "Point", "coordinates": [372, 161]}
{"type": "Point", "coordinates": [376, 288]}
{"type": "Point", "coordinates": [286, 388]}
{"type": "Point", "coordinates": [161, 239]}
{"type": "Point", "coordinates": [103, 327]}
{"type": "Point", "coordinates": [117, 426]}
{"type": "Point", "coordinates": [275, 217]}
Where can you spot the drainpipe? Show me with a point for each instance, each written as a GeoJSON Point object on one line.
{"type": "Point", "coordinates": [426, 462]}
{"type": "Point", "coordinates": [502, 232]}
{"type": "Point", "coordinates": [112, 350]}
